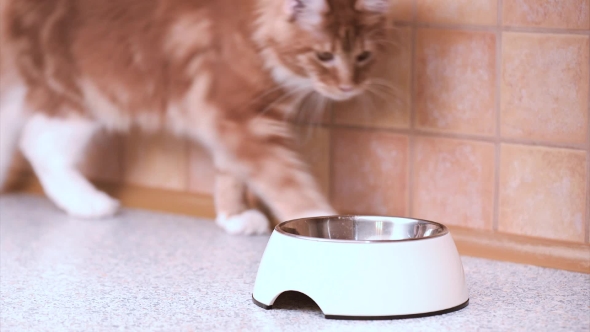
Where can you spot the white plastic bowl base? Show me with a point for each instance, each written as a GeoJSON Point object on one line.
{"type": "Point", "coordinates": [360, 267]}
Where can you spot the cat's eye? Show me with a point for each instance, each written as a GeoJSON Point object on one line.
{"type": "Point", "coordinates": [366, 55]}
{"type": "Point", "coordinates": [325, 56]}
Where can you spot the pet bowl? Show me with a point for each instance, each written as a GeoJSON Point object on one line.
{"type": "Point", "coordinates": [364, 267]}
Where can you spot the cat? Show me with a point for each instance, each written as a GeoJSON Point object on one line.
{"type": "Point", "coordinates": [224, 73]}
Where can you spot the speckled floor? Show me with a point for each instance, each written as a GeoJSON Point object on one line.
{"type": "Point", "coordinates": [144, 271]}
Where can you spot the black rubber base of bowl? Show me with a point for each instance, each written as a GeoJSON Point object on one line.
{"type": "Point", "coordinates": [426, 314]}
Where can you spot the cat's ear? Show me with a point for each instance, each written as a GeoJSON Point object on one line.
{"type": "Point", "coordinates": [306, 12]}
{"type": "Point", "coordinates": [374, 6]}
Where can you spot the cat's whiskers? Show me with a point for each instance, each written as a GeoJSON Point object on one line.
{"type": "Point", "coordinates": [282, 98]}
{"type": "Point", "coordinates": [366, 110]}
{"type": "Point", "coordinates": [317, 113]}
{"type": "Point", "coordinates": [294, 112]}
{"type": "Point", "coordinates": [385, 85]}
{"type": "Point", "coordinates": [308, 113]}
{"type": "Point", "coordinates": [304, 114]}
{"type": "Point", "coordinates": [302, 109]}
{"type": "Point", "coordinates": [383, 89]}
{"type": "Point", "coordinates": [377, 93]}
{"type": "Point", "coordinates": [267, 92]}
{"type": "Point", "coordinates": [320, 114]}
{"type": "Point", "coordinates": [387, 96]}
{"type": "Point", "coordinates": [276, 88]}
{"type": "Point", "coordinates": [370, 98]}
{"type": "Point", "coordinates": [331, 103]}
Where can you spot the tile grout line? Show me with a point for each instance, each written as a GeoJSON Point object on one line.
{"type": "Point", "coordinates": [122, 154]}
{"type": "Point", "coordinates": [554, 31]}
{"type": "Point", "coordinates": [188, 151]}
{"type": "Point", "coordinates": [493, 28]}
{"type": "Point", "coordinates": [411, 136]}
{"type": "Point", "coordinates": [331, 176]}
{"type": "Point", "coordinates": [329, 192]}
{"type": "Point", "coordinates": [331, 128]}
{"type": "Point", "coordinates": [462, 136]}
{"type": "Point", "coordinates": [332, 162]}
{"type": "Point", "coordinates": [498, 138]}
{"type": "Point", "coordinates": [587, 235]}
{"type": "Point", "coordinates": [413, 34]}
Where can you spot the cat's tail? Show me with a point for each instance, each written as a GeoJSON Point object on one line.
{"type": "Point", "coordinates": [12, 119]}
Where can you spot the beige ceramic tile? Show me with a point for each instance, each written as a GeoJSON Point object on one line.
{"type": "Point", "coordinates": [455, 81]}
{"type": "Point", "coordinates": [543, 192]}
{"type": "Point", "coordinates": [103, 159]}
{"type": "Point", "coordinates": [588, 204]}
{"type": "Point", "coordinates": [477, 12]}
{"type": "Point", "coordinates": [201, 171]}
{"type": "Point", "coordinates": [370, 172]}
{"type": "Point", "coordinates": [402, 10]}
{"type": "Point", "coordinates": [588, 199]}
{"type": "Point", "coordinates": [388, 103]}
{"type": "Point", "coordinates": [545, 87]}
{"type": "Point", "coordinates": [454, 182]}
{"type": "Point", "coordinates": [567, 14]}
{"type": "Point", "coordinates": [315, 148]}
{"type": "Point", "coordinates": [158, 161]}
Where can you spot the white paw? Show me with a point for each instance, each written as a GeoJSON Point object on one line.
{"type": "Point", "coordinates": [91, 205]}
{"type": "Point", "coordinates": [250, 222]}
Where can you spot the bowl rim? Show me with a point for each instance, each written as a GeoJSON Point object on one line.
{"type": "Point", "coordinates": [278, 229]}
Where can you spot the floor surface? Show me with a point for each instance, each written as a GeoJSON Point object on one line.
{"type": "Point", "coordinates": [145, 271]}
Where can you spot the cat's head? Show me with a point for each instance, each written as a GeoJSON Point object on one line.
{"type": "Point", "coordinates": [329, 46]}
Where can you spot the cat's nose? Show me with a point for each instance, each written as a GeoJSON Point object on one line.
{"type": "Point", "coordinates": [346, 87]}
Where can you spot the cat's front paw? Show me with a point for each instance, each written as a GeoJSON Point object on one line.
{"type": "Point", "coordinates": [249, 222]}
{"type": "Point", "coordinates": [91, 205]}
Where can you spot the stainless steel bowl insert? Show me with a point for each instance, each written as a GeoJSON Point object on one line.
{"type": "Point", "coordinates": [361, 229]}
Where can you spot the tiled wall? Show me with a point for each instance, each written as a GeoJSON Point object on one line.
{"type": "Point", "coordinates": [484, 124]}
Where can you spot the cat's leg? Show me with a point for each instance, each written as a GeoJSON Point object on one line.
{"type": "Point", "coordinates": [11, 121]}
{"type": "Point", "coordinates": [233, 214]}
{"type": "Point", "coordinates": [263, 152]}
{"type": "Point", "coordinates": [54, 146]}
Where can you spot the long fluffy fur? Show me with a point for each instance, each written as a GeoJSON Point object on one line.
{"type": "Point", "coordinates": [224, 73]}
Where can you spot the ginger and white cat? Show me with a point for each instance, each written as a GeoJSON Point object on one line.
{"type": "Point", "coordinates": [224, 73]}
